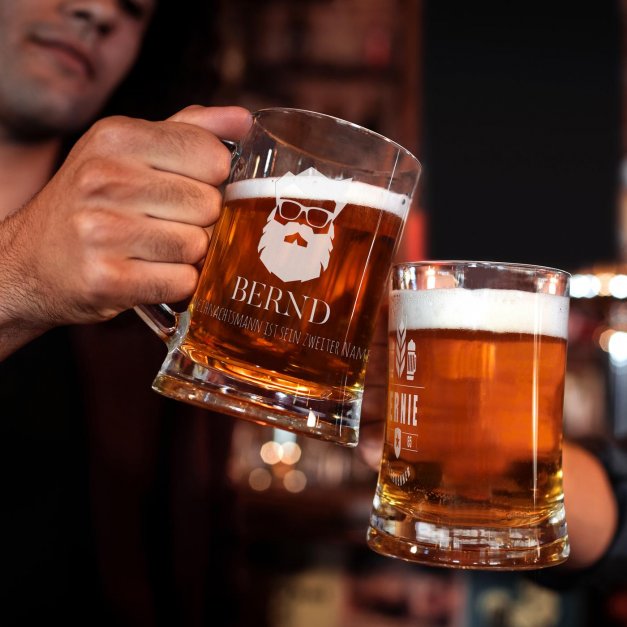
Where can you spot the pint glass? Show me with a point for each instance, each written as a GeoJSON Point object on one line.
{"type": "Point", "coordinates": [471, 474]}
{"type": "Point", "coordinates": [279, 327]}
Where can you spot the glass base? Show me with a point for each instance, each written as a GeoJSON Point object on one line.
{"type": "Point", "coordinates": [396, 533]}
{"type": "Point", "coordinates": [183, 379]}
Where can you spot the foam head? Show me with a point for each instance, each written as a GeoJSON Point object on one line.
{"type": "Point", "coordinates": [497, 310]}
{"type": "Point", "coordinates": [319, 188]}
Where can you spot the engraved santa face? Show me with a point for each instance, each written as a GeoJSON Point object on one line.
{"type": "Point", "coordinates": [297, 239]}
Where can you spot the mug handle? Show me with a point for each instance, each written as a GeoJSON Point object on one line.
{"type": "Point", "coordinates": [162, 319]}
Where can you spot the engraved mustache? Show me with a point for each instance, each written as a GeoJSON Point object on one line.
{"type": "Point", "coordinates": [293, 228]}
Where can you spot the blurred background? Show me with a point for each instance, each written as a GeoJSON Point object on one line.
{"type": "Point", "coordinates": [518, 114]}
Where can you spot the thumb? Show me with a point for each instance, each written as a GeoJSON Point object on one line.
{"type": "Point", "coordinates": [224, 122]}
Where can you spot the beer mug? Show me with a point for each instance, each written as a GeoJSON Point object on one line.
{"type": "Point", "coordinates": [279, 327]}
{"type": "Point", "coordinates": [471, 474]}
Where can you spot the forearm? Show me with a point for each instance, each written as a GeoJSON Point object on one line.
{"type": "Point", "coordinates": [17, 327]}
{"type": "Point", "coordinates": [591, 508]}
{"type": "Point", "coordinates": [13, 336]}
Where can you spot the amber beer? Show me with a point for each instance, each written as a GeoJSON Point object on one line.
{"type": "Point", "coordinates": [279, 328]}
{"type": "Point", "coordinates": [472, 453]}
{"type": "Point", "coordinates": [306, 337]}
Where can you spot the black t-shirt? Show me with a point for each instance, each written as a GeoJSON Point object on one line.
{"type": "Point", "coordinates": [40, 433]}
{"type": "Point", "coordinates": [610, 572]}
{"type": "Point", "coordinates": [114, 498]}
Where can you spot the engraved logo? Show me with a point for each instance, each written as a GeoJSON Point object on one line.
{"type": "Point", "coordinates": [411, 360]}
{"type": "Point", "coordinates": [397, 442]}
{"type": "Point", "coordinates": [400, 350]}
{"type": "Point", "coordinates": [297, 239]}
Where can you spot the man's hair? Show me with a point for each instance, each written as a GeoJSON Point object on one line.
{"type": "Point", "coordinates": [176, 65]}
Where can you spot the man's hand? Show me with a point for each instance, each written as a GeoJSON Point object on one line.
{"type": "Point", "coordinates": [121, 223]}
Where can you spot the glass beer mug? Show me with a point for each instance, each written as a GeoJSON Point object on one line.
{"type": "Point", "coordinates": [471, 475]}
{"type": "Point", "coordinates": [280, 324]}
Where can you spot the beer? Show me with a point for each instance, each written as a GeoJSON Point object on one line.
{"type": "Point", "coordinates": [279, 327]}
{"type": "Point", "coordinates": [474, 420]}
{"type": "Point", "coordinates": [252, 315]}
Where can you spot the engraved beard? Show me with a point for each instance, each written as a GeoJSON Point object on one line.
{"type": "Point", "coordinates": [303, 257]}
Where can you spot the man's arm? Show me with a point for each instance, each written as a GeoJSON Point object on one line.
{"type": "Point", "coordinates": [122, 222]}
{"type": "Point", "coordinates": [591, 507]}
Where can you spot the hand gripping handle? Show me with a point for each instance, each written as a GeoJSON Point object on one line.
{"type": "Point", "coordinates": [162, 319]}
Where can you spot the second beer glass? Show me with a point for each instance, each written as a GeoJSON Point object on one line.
{"type": "Point", "coordinates": [471, 475]}
{"type": "Point", "coordinates": [279, 328]}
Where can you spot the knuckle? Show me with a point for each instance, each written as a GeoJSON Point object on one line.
{"type": "Point", "coordinates": [198, 249]}
{"type": "Point", "coordinates": [94, 175]}
{"type": "Point", "coordinates": [180, 193]}
{"type": "Point", "coordinates": [95, 226]}
{"type": "Point", "coordinates": [204, 203]}
{"type": "Point", "coordinates": [193, 108]}
{"type": "Point", "coordinates": [172, 137]}
{"type": "Point", "coordinates": [112, 131]}
{"type": "Point", "coordinates": [195, 196]}
{"type": "Point", "coordinates": [101, 283]}
{"type": "Point", "coordinates": [158, 289]}
{"type": "Point", "coordinates": [212, 204]}
{"type": "Point", "coordinates": [186, 248]}
{"type": "Point", "coordinates": [183, 286]}
{"type": "Point", "coordinates": [165, 248]}
{"type": "Point", "coordinates": [222, 162]}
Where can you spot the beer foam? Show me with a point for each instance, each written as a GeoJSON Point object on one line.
{"type": "Point", "coordinates": [500, 311]}
{"type": "Point", "coordinates": [323, 188]}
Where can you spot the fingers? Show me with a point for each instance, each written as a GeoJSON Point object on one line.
{"type": "Point", "coordinates": [162, 282]}
{"type": "Point", "coordinates": [188, 144]}
{"type": "Point", "coordinates": [106, 234]}
{"type": "Point", "coordinates": [184, 200]}
{"type": "Point", "coordinates": [225, 122]}
{"type": "Point", "coordinates": [166, 170]}
{"type": "Point", "coordinates": [128, 212]}
{"type": "Point", "coordinates": [177, 148]}
{"type": "Point", "coordinates": [116, 286]}
{"type": "Point", "coordinates": [205, 158]}
{"type": "Point", "coordinates": [135, 189]}
{"type": "Point", "coordinates": [193, 147]}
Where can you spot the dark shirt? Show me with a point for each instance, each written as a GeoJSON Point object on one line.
{"type": "Point", "coordinates": [612, 568]}
{"type": "Point", "coordinates": [610, 572]}
{"type": "Point", "coordinates": [116, 498]}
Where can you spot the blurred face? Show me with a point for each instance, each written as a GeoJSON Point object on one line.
{"type": "Point", "coordinates": [60, 60]}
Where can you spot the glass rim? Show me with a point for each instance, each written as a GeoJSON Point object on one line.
{"type": "Point", "coordinates": [469, 263]}
{"type": "Point", "coordinates": [357, 127]}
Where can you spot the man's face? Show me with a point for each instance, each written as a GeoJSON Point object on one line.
{"type": "Point", "coordinates": [60, 60]}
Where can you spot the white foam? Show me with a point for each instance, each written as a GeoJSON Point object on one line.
{"type": "Point", "coordinates": [501, 311]}
{"type": "Point", "coordinates": [323, 188]}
